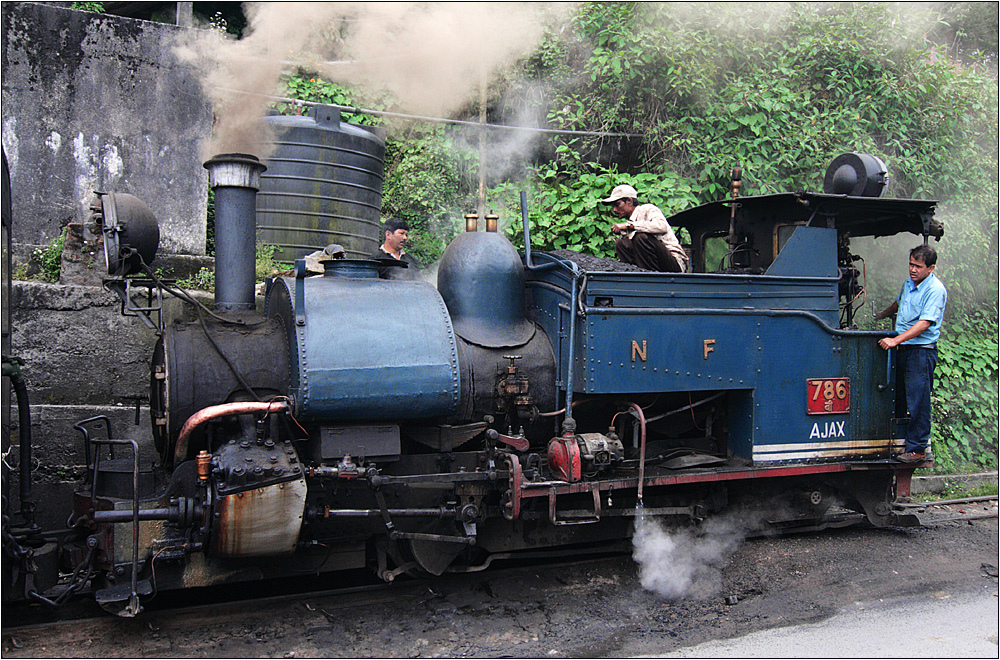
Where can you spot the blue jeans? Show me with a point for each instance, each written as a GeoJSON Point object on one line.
{"type": "Point", "coordinates": [915, 371]}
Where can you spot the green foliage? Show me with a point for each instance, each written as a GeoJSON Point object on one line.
{"type": "Point", "coordinates": [567, 213]}
{"type": "Point", "coordinates": [264, 267]}
{"type": "Point", "coordinates": [49, 258]}
{"type": "Point", "coordinates": [20, 270]}
{"type": "Point", "coordinates": [429, 182]}
{"type": "Point", "coordinates": [965, 400]}
{"type": "Point", "coordinates": [966, 30]}
{"type": "Point", "coordinates": [204, 280]}
{"type": "Point", "coordinates": [309, 86]}
{"type": "Point", "coordinates": [781, 95]}
{"type": "Point", "coordinates": [96, 7]}
{"type": "Point", "coordinates": [954, 490]}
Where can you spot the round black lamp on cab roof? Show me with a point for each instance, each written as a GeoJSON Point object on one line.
{"type": "Point", "coordinates": [857, 175]}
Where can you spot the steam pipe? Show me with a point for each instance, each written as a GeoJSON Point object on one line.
{"type": "Point", "coordinates": [642, 450]}
{"type": "Point", "coordinates": [569, 424]}
{"type": "Point", "coordinates": [12, 370]}
{"type": "Point", "coordinates": [235, 179]}
{"type": "Point", "coordinates": [527, 236]}
{"type": "Point", "coordinates": [214, 412]}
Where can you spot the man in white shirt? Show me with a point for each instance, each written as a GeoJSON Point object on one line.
{"type": "Point", "coordinates": [645, 238]}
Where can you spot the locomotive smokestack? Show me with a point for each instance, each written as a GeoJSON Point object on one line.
{"type": "Point", "coordinates": [235, 178]}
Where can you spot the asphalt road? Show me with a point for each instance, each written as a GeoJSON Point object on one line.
{"type": "Point", "coordinates": [938, 625]}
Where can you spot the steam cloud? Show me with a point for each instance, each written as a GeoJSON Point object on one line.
{"type": "Point", "coordinates": [430, 58]}
{"type": "Point", "coordinates": [684, 563]}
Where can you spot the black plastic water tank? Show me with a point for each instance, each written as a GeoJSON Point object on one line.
{"type": "Point", "coordinates": [323, 185]}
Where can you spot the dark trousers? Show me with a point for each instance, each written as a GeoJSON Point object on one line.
{"type": "Point", "coordinates": [915, 381]}
{"type": "Point", "coordinates": [646, 251]}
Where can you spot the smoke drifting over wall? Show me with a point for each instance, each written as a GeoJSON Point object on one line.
{"type": "Point", "coordinates": [429, 58]}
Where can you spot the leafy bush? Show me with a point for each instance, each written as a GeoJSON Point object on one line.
{"type": "Point", "coordinates": [965, 400]}
{"type": "Point", "coordinates": [49, 258]}
{"type": "Point", "coordinates": [96, 7]}
{"type": "Point", "coordinates": [203, 280]}
{"type": "Point", "coordinates": [429, 183]}
{"type": "Point", "coordinates": [309, 86]}
{"type": "Point", "coordinates": [567, 213]}
{"type": "Point", "coordinates": [265, 267]}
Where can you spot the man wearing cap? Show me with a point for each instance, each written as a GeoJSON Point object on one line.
{"type": "Point", "coordinates": [646, 239]}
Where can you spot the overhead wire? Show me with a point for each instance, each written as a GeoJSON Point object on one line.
{"type": "Point", "coordinates": [426, 118]}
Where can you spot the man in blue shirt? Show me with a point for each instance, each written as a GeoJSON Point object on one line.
{"type": "Point", "coordinates": [919, 310]}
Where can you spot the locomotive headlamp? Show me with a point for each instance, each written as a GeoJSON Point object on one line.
{"type": "Point", "coordinates": [131, 232]}
{"type": "Point", "coordinates": [857, 175]}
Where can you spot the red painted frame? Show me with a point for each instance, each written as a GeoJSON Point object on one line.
{"type": "Point", "coordinates": [903, 474]}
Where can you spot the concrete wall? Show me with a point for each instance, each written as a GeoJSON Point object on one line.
{"type": "Point", "coordinates": [92, 102]}
{"type": "Point", "coordinates": [98, 102]}
{"type": "Point", "coordinates": [82, 358]}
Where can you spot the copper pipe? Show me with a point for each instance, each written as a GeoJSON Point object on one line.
{"type": "Point", "coordinates": [214, 412]}
{"type": "Point", "coordinates": [642, 449]}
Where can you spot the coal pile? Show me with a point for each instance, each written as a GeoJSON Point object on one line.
{"type": "Point", "coordinates": [598, 264]}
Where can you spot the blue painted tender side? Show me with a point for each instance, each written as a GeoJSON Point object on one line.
{"type": "Point", "coordinates": [758, 338]}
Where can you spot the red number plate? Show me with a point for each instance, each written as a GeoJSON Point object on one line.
{"type": "Point", "coordinates": [826, 396]}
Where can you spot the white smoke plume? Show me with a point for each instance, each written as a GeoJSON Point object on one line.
{"type": "Point", "coordinates": [428, 58]}
{"type": "Point", "coordinates": [684, 563]}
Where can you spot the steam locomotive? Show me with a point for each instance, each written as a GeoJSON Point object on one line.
{"type": "Point", "coordinates": [531, 400]}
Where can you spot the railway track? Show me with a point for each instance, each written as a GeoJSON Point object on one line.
{"type": "Point", "coordinates": [581, 608]}
{"type": "Point", "coordinates": [82, 621]}
{"type": "Point", "coordinates": [924, 507]}
{"type": "Point", "coordinates": [91, 622]}
{"type": "Point", "coordinates": [23, 624]}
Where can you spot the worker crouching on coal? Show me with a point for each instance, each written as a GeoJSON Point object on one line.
{"type": "Point", "coordinates": [645, 239]}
